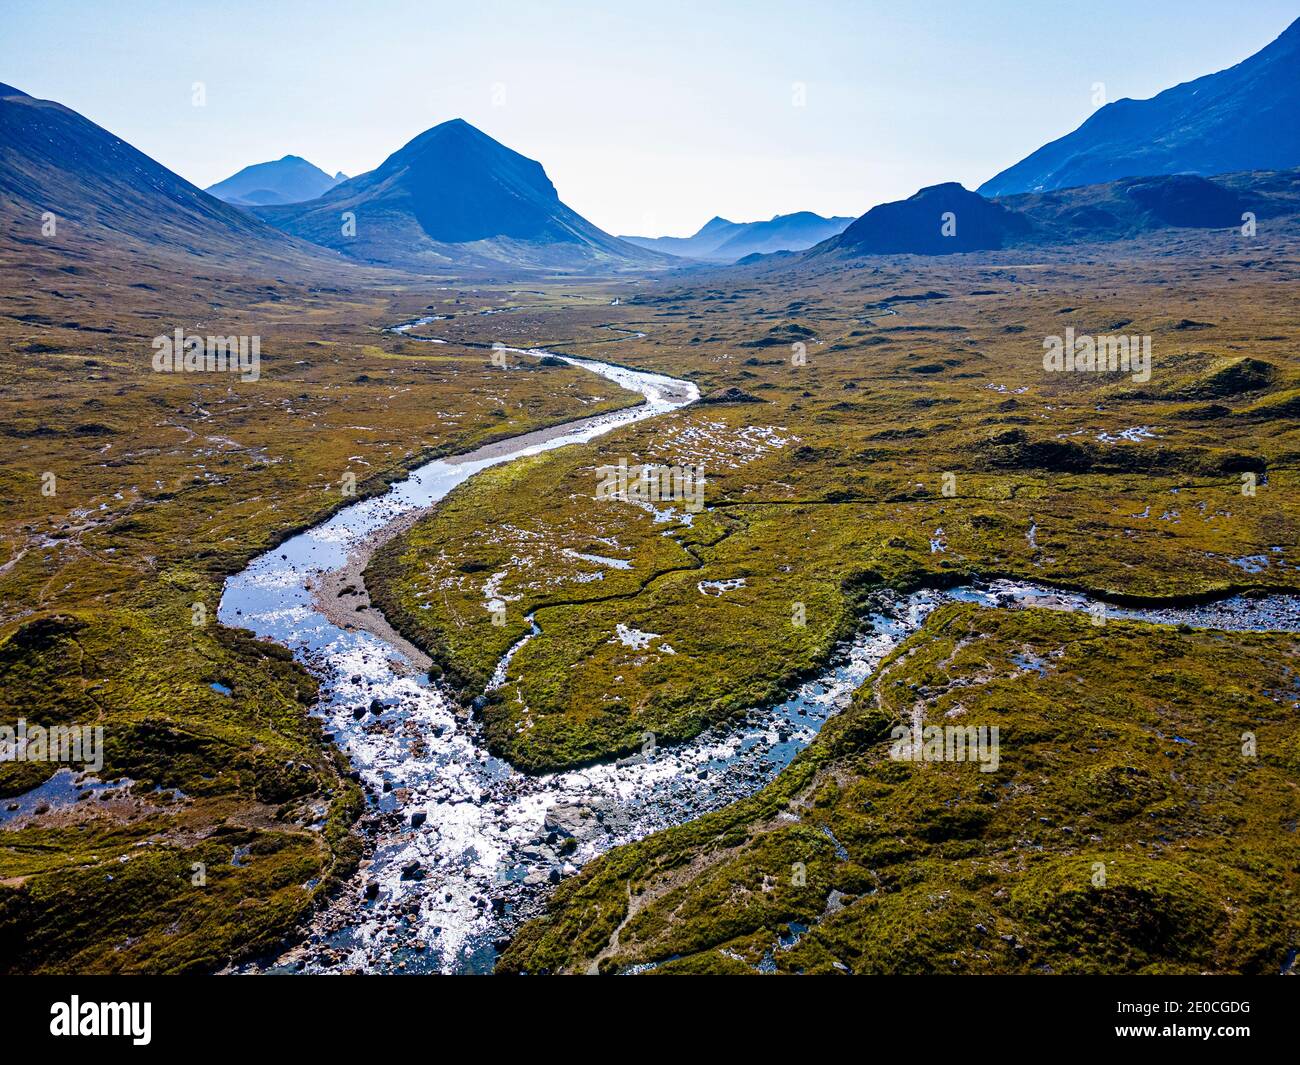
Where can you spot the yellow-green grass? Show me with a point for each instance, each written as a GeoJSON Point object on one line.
{"type": "Point", "coordinates": [874, 458]}
{"type": "Point", "coordinates": [163, 484]}
{"type": "Point", "coordinates": [1141, 818]}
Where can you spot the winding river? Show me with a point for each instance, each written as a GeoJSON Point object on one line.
{"type": "Point", "coordinates": [463, 845]}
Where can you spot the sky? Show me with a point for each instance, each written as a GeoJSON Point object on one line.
{"type": "Point", "coordinates": [649, 117]}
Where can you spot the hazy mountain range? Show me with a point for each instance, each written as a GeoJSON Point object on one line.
{"type": "Point", "coordinates": [719, 240]}
{"type": "Point", "coordinates": [454, 199]}
{"type": "Point", "coordinates": [288, 180]}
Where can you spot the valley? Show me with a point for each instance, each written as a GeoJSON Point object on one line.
{"type": "Point", "coordinates": [914, 591]}
{"type": "Point", "coordinates": [833, 457]}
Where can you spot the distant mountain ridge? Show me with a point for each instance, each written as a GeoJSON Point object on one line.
{"type": "Point", "coordinates": [709, 236]}
{"type": "Point", "coordinates": [1242, 118]}
{"type": "Point", "coordinates": [720, 240]}
{"type": "Point", "coordinates": [291, 179]}
{"type": "Point", "coordinates": [453, 196]}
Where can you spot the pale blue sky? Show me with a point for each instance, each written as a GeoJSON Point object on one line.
{"type": "Point", "coordinates": [649, 117]}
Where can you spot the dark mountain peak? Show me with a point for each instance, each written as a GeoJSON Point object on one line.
{"type": "Point", "coordinates": [715, 223]}
{"type": "Point", "coordinates": [935, 220]}
{"type": "Point", "coordinates": [454, 135]}
{"type": "Point", "coordinates": [946, 196]}
{"type": "Point", "coordinates": [9, 90]}
{"type": "Point", "coordinates": [449, 187]}
{"type": "Point", "coordinates": [453, 157]}
{"type": "Point", "coordinates": [463, 186]}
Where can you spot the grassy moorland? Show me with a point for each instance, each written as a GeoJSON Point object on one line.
{"type": "Point", "coordinates": [241, 811]}
{"type": "Point", "coordinates": [1124, 830]}
{"type": "Point", "coordinates": [827, 478]}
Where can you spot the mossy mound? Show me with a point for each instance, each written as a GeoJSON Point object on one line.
{"type": "Point", "coordinates": [1232, 377]}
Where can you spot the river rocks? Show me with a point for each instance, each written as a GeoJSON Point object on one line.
{"type": "Point", "coordinates": [731, 395]}
{"type": "Point", "coordinates": [571, 819]}
{"type": "Point", "coordinates": [418, 818]}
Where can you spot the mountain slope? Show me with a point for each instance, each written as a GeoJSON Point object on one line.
{"type": "Point", "coordinates": [1115, 210]}
{"type": "Point", "coordinates": [916, 225]}
{"type": "Point", "coordinates": [102, 190]}
{"type": "Point", "coordinates": [722, 241]}
{"type": "Point", "coordinates": [288, 180]}
{"type": "Point", "coordinates": [1132, 206]}
{"type": "Point", "coordinates": [1242, 118]}
{"type": "Point", "coordinates": [454, 196]}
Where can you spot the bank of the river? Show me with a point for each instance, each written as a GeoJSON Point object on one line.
{"type": "Point", "coordinates": [464, 846]}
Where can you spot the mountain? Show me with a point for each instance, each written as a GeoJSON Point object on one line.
{"type": "Point", "coordinates": [102, 190]}
{"type": "Point", "coordinates": [697, 246]}
{"type": "Point", "coordinates": [916, 225]}
{"type": "Point", "coordinates": [455, 197]}
{"type": "Point", "coordinates": [1242, 118]}
{"type": "Point", "coordinates": [1114, 210]}
{"type": "Point", "coordinates": [1132, 206]}
{"type": "Point", "coordinates": [785, 232]}
{"type": "Point", "coordinates": [288, 180]}
{"type": "Point", "coordinates": [719, 240]}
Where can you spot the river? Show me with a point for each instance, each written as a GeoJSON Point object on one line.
{"type": "Point", "coordinates": [463, 846]}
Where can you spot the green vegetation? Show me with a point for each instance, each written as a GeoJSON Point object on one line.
{"type": "Point", "coordinates": [827, 478]}
{"type": "Point", "coordinates": [1124, 830]}
{"type": "Point", "coordinates": [241, 812]}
